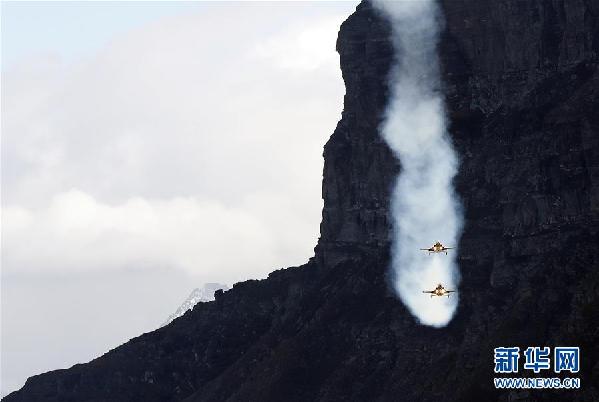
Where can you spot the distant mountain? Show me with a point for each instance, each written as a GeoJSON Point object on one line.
{"type": "Point", "coordinates": [204, 294]}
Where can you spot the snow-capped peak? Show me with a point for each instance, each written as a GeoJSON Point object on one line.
{"type": "Point", "coordinates": [204, 294]}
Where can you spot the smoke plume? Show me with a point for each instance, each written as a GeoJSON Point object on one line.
{"type": "Point", "coordinates": [424, 206]}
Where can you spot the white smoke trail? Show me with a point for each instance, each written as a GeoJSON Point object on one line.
{"type": "Point", "coordinates": [424, 206]}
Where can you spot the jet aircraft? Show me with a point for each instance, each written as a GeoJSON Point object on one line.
{"type": "Point", "coordinates": [437, 248]}
{"type": "Point", "coordinates": [439, 291]}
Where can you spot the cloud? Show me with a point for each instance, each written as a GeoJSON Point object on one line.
{"type": "Point", "coordinates": [301, 49]}
{"type": "Point", "coordinates": [188, 142]}
{"type": "Point", "coordinates": [76, 232]}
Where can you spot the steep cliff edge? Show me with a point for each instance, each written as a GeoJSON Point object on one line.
{"type": "Point", "coordinates": [522, 89]}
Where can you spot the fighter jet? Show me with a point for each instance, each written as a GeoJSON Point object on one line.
{"type": "Point", "coordinates": [437, 248]}
{"type": "Point", "coordinates": [439, 291]}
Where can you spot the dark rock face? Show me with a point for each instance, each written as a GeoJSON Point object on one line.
{"type": "Point", "coordinates": [359, 167]}
{"type": "Point", "coordinates": [522, 88]}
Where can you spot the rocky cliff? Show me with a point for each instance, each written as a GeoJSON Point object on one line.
{"type": "Point", "coordinates": [522, 89]}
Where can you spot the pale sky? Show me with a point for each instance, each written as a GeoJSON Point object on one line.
{"type": "Point", "coordinates": [148, 148]}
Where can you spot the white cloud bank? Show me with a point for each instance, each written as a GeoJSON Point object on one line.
{"type": "Point", "coordinates": [77, 232]}
{"type": "Point", "coordinates": [194, 142]}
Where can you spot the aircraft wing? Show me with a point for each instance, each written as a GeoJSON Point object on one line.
{"type": "Point", "coordinates": [427, 249]}
{"type": "Point", "coordinates": [450, 291]}
{"type": "Point", "coordinates": [428, 291]}
{"type": "Point", "coordinates": [447, 248]}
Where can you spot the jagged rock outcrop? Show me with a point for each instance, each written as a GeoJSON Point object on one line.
{"type": "Point", "coordinates": [522, 89]}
